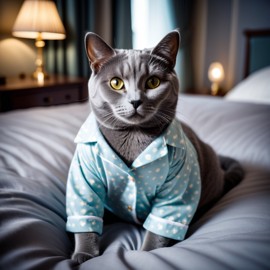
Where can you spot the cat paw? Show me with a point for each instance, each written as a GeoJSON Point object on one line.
{"type": "Point", "coordinates": [81, 257]}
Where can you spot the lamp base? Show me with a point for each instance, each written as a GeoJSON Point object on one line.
{"type": "Point", "coordinates": [214, 89]}
{"type": "Point", "coordinates": [40, 75]}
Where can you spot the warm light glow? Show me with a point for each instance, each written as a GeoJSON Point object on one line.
{"type": "Point", "coordinates": [40, 78]}
{"type": "Point", "coordinates": [215, 75]}
{"type": "Point", "coordinates": [39, 17]}
{"type": "Point", "coordinates": [216, 72]}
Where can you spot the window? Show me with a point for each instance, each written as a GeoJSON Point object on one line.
{"type": "Point", "coordinates": [151, 20]}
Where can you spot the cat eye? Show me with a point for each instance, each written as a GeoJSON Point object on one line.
{"type": "Point", "coordinates": [116, 84]}
{"type": "Point", "coordinates": [153, 82]}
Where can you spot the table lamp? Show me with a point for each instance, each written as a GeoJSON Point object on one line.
{"type": "Point", "coordinates": [215, 75]}
{"type": "Point", "coordinates": [39, 19]}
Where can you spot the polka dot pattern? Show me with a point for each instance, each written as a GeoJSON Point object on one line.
{"type": "Point", "coordinates": [161, 189]}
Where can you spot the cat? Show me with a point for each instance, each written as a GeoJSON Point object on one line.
{"type": "Point", "coordinates": [134, 157]}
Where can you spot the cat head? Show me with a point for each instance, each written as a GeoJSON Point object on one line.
{"type": "Point", "coordinates": [133, 88]}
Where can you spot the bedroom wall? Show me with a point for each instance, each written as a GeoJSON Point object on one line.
{"type": "Point", "coordinates": [252, 14]}
{"type": "Point", "coordinates": [218, 31]}
{"type": "Point", "coordinates": [218, 36]}
{"type": "Point", "coordinates": [17, 56]}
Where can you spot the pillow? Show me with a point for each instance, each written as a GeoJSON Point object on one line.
{"type": "Point", "coordinates": [255, 88]}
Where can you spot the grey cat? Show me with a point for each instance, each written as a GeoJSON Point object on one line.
{"type": "Point", "coordinates": [133, 96]}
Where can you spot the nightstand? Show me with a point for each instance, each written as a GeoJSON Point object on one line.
{"type": "Point", "coordinates": [25, 93]}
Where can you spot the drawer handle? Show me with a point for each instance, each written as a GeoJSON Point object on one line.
{"type": "Point", "coordinates": [47, 100]}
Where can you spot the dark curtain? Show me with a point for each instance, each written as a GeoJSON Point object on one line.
{"type": "Point", "coordinates": [111, 19]}
{"type": "Point", "coordinates": [182, 16]}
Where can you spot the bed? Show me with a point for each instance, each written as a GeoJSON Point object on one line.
{"type": "Point", "coordinates": [36, 147]}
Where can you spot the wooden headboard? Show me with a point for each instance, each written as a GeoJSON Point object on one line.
{"type": "Point", "coordinates": [257, 50]}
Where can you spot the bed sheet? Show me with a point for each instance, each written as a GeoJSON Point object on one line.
{"type": "Point", "coordinates": [36, 146]}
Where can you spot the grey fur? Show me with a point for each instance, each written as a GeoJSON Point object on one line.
{"type": "Point", "coordinates": [119, 121]}
{"type": "Point", "coordinates": [132, 118]}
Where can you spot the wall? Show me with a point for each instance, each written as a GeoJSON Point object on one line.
{"type": "Point", "coordinates": [218, 36]}
{"type": "Point", "coordinates": [17, 56]}
{"type": "Point", "coordinates": [252, 14]}
{"type": "Point", "coordinates": [218, 31]}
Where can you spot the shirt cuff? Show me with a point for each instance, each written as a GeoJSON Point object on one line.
{"type": "Point", "coordinates": [165, 227]}
{"type": "Point", "coordinates": [80, 224]}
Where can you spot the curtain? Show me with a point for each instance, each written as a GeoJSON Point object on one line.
{"type": "Point", "coordinates": [182, 16]}
{"type": "Point", "coordinates": [111, 19]}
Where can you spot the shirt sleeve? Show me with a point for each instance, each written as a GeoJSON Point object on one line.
{"type": "Point", "coordinates": [85, 193]}
{"type": "Point", "coordinates": [178, 198]}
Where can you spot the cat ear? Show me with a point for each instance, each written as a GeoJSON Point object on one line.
{"type": "Point", "coordinates": [98, 51]}
{"type": "Point", "coordinates": [168, 47]}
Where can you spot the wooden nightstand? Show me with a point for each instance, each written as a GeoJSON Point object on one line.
{"type": "Point", "coordinates": [25, 93]}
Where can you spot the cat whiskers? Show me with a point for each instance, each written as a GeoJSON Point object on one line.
{"type": "Point", "coordinates": [109, 120]}
{"type": "Point", "coordinates": [164, 116]}
{"type": "Point", "coordinates": [123, 111]}
{"type": "Point", "coordinates": [117, 118]}
{"type": "Point", "coordinates": [158, 117]}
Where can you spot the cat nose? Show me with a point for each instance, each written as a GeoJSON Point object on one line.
{"type": "Point", "coordinates": [136, 103]}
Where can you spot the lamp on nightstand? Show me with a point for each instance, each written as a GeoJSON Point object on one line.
{"type": "Point", "coordinates": [39, 20]}
{"type": "Point", "coordinates": [215, 75]}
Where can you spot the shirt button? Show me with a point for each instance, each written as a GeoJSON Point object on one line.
{"type": "Point", "coordinates": [129, 208]}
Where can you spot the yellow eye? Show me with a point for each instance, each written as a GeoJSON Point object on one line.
{"type": "Point", "coordinates": [116, 84]}
{"type": "Point", "coordinates": [153, 82]}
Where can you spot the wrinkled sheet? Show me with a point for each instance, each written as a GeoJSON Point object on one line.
{"type": "Point", "coordinates": [36, 147]}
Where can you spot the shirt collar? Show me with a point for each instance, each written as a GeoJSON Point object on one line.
{"type": "Point", "coordinates": [89, 133]}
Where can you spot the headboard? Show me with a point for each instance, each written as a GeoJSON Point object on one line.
{"type": "Point", "coordinates": [257, 50]}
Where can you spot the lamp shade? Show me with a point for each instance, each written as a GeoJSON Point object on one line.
{"type": "Point", "coordinates": [39, 18]}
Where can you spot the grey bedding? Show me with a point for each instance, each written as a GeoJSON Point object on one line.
{"type": "Point", "coordinates": [36, 146]}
